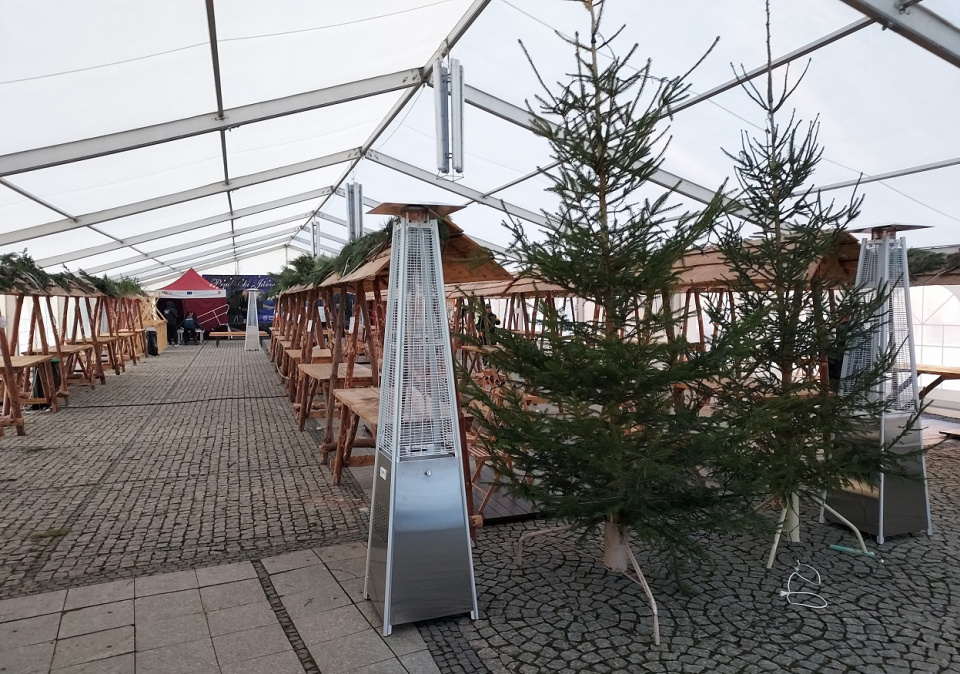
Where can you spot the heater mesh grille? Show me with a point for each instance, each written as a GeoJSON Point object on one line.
{"type": "Point", "coordinates": [422, 374]}
{"type": "Point", "coordinates": [884, 262]}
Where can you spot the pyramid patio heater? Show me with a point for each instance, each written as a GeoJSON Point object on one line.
{"type": "Point", "coordinates": [895, 505]}
{"type": "Point", "coordinates": [251, 340]}
{"type": "Point", "coordinates": [419, 561]}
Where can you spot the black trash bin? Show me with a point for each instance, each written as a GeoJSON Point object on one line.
{"type": "Point", "coordinates": [152, 348]}
{"type": "Point", "coordinates": [38, 384]}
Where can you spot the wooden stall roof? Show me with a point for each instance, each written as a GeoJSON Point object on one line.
{"type": "Point", "coordinates": [937, 278]}
{"type": "Point", "coordinates": [464, 261]}
{"type": "Point", "coordinates": [707, 269]}
{"type": "Point", "coordinates": [491, 289]}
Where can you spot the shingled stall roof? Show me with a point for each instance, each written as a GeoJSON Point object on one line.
{"type": "Point", "coordinates": [707, 269]}
{"type": "Point", "coordinates": [464, 261]}
{"type": "Point", "coordinates": [517, 286]}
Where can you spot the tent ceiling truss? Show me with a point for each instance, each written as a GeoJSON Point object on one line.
{"type": "Point", "coordinates": [906, 17]}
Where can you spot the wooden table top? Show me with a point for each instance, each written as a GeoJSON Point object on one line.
{"type": "Point", "coordinates": [130, 333]}
{"type": "Point", "coordinates": [322, 371]}
{"type": "Point", "coordinates": [945, 371]}
{"type": "Point", "coordinates": [30, 361]}
{"type": "Point", "coordinates": [294, 354]}
{"type": "Point", "coordinates": [364, 402]}
{"type": "Point", "coordinates": [321, 353]}
{"type": "Point", "coordinates": [102, 339]}
{"type": "Point", "coordinates": [75, 348]}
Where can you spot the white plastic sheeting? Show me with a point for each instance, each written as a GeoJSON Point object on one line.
{"type": "Point", "coordinates": [229, 196]}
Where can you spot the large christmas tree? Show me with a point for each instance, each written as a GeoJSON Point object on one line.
{"type": "Point", "coordinates": [623, 443]}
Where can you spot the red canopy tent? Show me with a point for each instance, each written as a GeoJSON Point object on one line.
{"type": "Point", "coordinates": [199, 296]}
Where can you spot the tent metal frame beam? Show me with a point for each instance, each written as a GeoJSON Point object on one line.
{"type": "Point", "coordinates": [187, 245]}
{"type": "Point", "coordinates": [166, 200]}
{"type": "Point", "coordinates": [458, 31]}
{"type": "Point", "coordinates": [459, 189]}
{"type": "Point", "coordinates": [899, 173]}
{"type": "Point", "coordinates": [88, 148]}
{"type": "Point", "coordinates": [829, 39]}
{"type": "Point", "coordinates": [915, 22]}
{"type": "Point", "coordinates": [517, 115]}
{"type": "Point", "coordinates": [188, 261]}
{"type": "Point", "coordinates": [212, 263]}
{"type": "Point", "coordinates": [190, 226]}
{"type": "Point", "coordinates": [259, 241]}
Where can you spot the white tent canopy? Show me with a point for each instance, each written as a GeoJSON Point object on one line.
{"type": "Point", "coordinates": [143, 139]}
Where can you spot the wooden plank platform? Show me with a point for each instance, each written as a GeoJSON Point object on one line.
{"type": "Point", "coordinates": [502, 506]}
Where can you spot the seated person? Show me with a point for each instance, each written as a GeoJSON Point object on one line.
{"type": "Point", "coordinates": [190, 327]}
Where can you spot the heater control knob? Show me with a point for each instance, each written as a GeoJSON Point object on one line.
{"type": "Point", "coordinates": [427, 473]}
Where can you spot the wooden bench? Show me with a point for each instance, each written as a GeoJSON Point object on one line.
{"type": "Point", "coordinates": [233, 335]}
{"type": "Point", "coordinates": [315, 377]}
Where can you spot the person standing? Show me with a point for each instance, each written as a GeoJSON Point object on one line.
{"type": "Point", "coordinates": [170, 313]}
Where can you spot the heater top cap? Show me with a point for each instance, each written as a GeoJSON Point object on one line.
{"type": "Point", "coordinates": [890, 227]}
{"type": "Point", "coordinates": [437, 210]}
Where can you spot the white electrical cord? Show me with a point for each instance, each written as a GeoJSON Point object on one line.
{"type": "Point", "coordinates": [803, 598]}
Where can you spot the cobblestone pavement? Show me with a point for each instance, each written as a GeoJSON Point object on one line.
{"type": "Point", "coordinates": [562, 612]}
{"type": "Point", "coordinates": [188, 459]}
{"type": "Point", "coordinates": [192, 460]}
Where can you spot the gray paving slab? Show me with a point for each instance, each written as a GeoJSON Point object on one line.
{"type": "Point", "coordinates": [331, 624]}
{"type": "Point", "coordinates": [350, 652]}
{"type": "Point", "coordinates": [101, 593]}
{"type": "Point", "coordinates": [315, 600]}
{"type": "Point", "coordinates": [32, 659]}
{"type": "Point", "coordinates": [301, 580]}
{"type": "Point", "coordinates": [348, 569]}
{"type": "Point", "coordinates": [120, 664]}
{"type": "Point", "coordinates": [249, 644]}
{"type": "Point", "coordinates": [290, 561]}
{"type": "Point", "coordinates": [285, 662]}
{"type": "Point", "coordinates": [226, 573]}
{"type": "Point", "coordinates": [166, 582]}
{"type": "Point", "coordinates": [193, 656]}
{"type": "Point", "coordinates": [169, 631]}
{"type": "Point", "coordinates": [238, 593]}
{"type": "Point", "coordinates": [240, 618]}
{"type": "Point", "coordinates": [18, 633]}
{"type": "Point", "coordinates": [421, 663]}
{"type": "Point", "coordinates": [391, 666]}
{"type": "Point", "coordinates": [95, 646]}
{"type": "Point", "coordinates": [169, 605]}
{"type": "Point", "coordinates": [333, 553]}
{"type": "Point", "coordinates": [34, 605]}
{"type": "Point", "coordinates": [96, 618]}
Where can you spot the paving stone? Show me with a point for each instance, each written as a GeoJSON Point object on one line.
{"type": "Point", "coordinates": [120, 664]}
{"type": "Point", "coordinates": [331, 624]}
{"type": "Point", "coordinates": [193, 656]}
{"type": "Point", "coordinates": [249, 644]}
{"type": "Point", "coordinates": [18, 633]}
{"type": "Point", "coordinates": [95, 646]}
{"type": "Point", "coordinates": [315, 600]}
{"type": "Point", "coordinates": [300, 580]}
{"type": "Point", "coordinates": [333, 553]}
{"type": "Point", "coordinates": [285, 662]}
{"type": "Point", "coordinates": [29, 607]}
{"type": "Point", "coordinates": [350, 652]}
{"type": "Point", "coordinates": [32, 659]}
{"type": "Point", "coordinates": [240, 618]}
{"type": "Point", "coordinates": [392, 666]}
{"type": "Point", "coordinates": [348, 569]}
{"type": "Point", "coordinates": [290, 561]}
{"type": "Point", "coordinates": [96, 618]}
{"type": "Point", "coordinates": [170, 605]}
{"type": "Point", "coordinates": [102, 593]}
{"type": "Point", "coordinates": [216, 597]}
{"type": "Point", "coordinates": [405, 639]}
{"type": "Point", "coordinates": [166, 582]}
{"type": "Point", "coordinates": [225, 573]}
{"type": "Point", "coordinates": [169, 631]}
{"type": "Point", "coordinates": [419, 663]}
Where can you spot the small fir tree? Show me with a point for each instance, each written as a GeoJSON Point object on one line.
{"type": "Point", "coordinates": [790, 326]}
{"type": "Point", "coordinates": [624, 442]}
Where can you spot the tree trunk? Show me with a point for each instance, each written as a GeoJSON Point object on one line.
{"type": "Point", "coordinates": [616, 541]}
{"type": "Point", "coordinates": [791, 524]}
